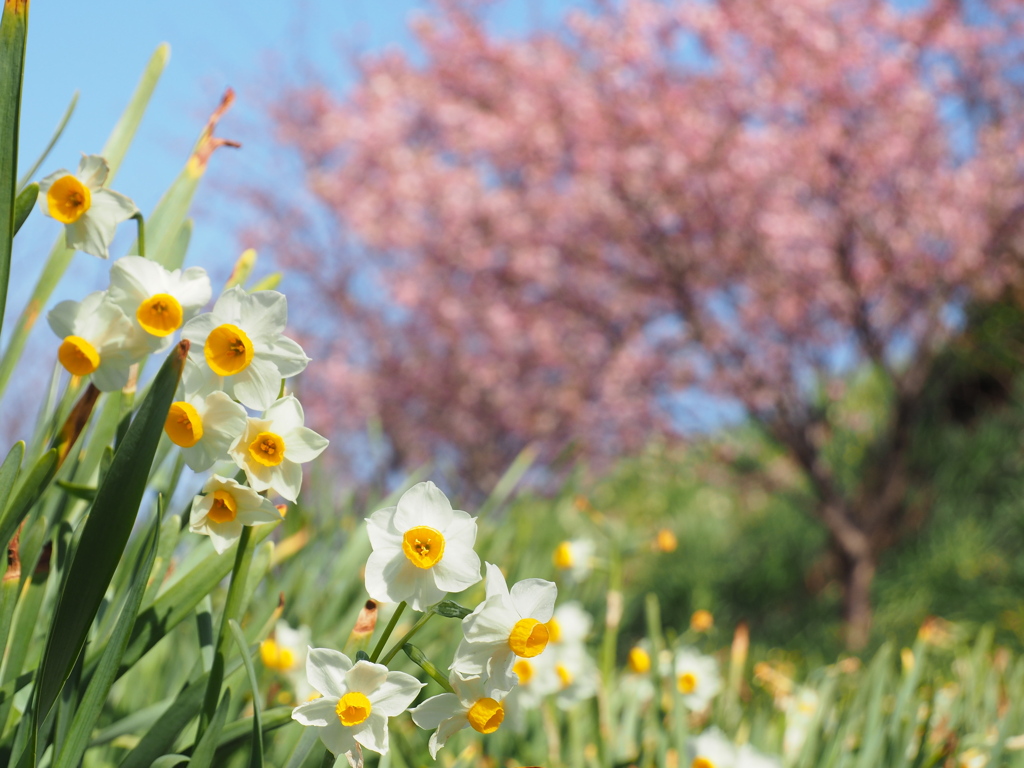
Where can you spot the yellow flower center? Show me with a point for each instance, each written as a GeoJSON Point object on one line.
{"type": "Point", "coordinates": [423, 546]}
{"type": "Point", "coordinates": [687, 683]}
{"type": "Point", "coordinates": [78, 356]}
{"type": "Point", "coordinates": [267, 449]}
{"type": "Point", "coordinates": [702, 762]}
{"type": "Point", "coordinates": [666, 541]}
{"type": "Point", "coordinates": [528, 638]}
{"type": "Point", "coordinates": [524, 671]}
{"type": "Point", "coordinates": [564, 675]}
{"type": "Point", "coordinates": [160, 314]}
{"type": "Point", "coordinates": [276, 657]}
{"type": "Point", "coordinates": [639, 660]}
{"type": "Point", "coordinates": [563, 556]}
{"type": "Point", "coordinates": [184, 425]}
{"type": "Point", "coordinates": [353, 708]}
{"type": "Point", "coordinates": [68, 199]}
{"type": "Point", "coordinates": [228, 350]}
{"type": "Point", "coordinates": [224, 507]}
{"type": "Point", "coordinates": [486, 715]}
{"type": "Point", "coordinates": [554, 631]}
{"type": "Point", "coordinates": [702, 621]}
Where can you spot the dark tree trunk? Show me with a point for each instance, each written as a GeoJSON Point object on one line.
{"type": "Point", "coordinates": [858, 574]}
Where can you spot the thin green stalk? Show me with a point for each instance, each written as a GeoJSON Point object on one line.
{"type": "Point", "coordinates": [420, 659]}
{"type": "Point", "coordinates": [387, 632]}
{"type": "Point", "coordinates": [408, 636]}
{"type": "Point", "coordinates": [239, 575]}
{"type": "Point", "coordinates": [142, 233]}
{"type": "Point", "coordinates": [328, 759]}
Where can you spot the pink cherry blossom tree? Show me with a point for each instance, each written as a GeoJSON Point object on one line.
{"type": "Point", "coordinates": [568, 239]}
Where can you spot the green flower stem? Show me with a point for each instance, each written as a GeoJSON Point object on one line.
{"type": "Point", "coordinates": [419, 658]}
{"type": "Point", "coordinates": [408, 636]}
{"type": "Point", "coordinates": [328, 759]}
{"type": "Point", "coordinates": [142, 233]}
{"type": "Point", "coordinates": [239, 576]}
{"type": "Point", "coordinates": [387, 631]}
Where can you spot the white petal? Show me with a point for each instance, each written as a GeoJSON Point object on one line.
{"type": "Point", "coordinates": [203, 455]}
{"type": "Point", "coordinates": [445, 731]}
{"type": "Point", "coordinates": [264, 314]}
{"type": "Point", "coordinates": [286, 355]}
{"type": "Point", "coordinates": [372, 733]}
{"type": "Point", "coordinates": [337, 738]}
{"type": "Point", "coordinates": [431, 712]}
{"type": "Point", "coordinates": [303, 444]}
{"type": "Point", "coordinates": [287, 480]}
{"type": "Point", "coordinates": [462, 528]}
{"type": "Point", "coordinates": [471, 659]}
{"type": "Point", "coordinates": [286, 413]}
{"type": "Point", "coordinates": [423, 504]}
{"type": "Point", "coordinates": [228, 308]}
{"type": "Point", "coordinates": [112, 373]}
{"type": "Point", "coordinates": [494, 582]}
{"type": "Point", "coordinates": [534, 598]}
{"type": "Point", "coordinates": [93, 171]}
{"type": "Point", "coordinates": [388, 576]}
{"type": "Point", "coordinates": [192, 289]}
{"type": "Point", "coordinates": [255, 387]}
{"type": "Point", "coordinates": [459, 569]}
{"type": "Point", "coordinates": [366, 677]}
{"type": "Point", "coordinates": [223, 535]}
{"type": "Point", "coordinates": [491, 622]}
{"type": "Point", "coordinates": [320, 711]}
{"type": "Point", "coordinates": [381, 528]}
{"type": "Point", "coordinates": [264, 514]}
{"type": "Point", "coordinates": [196, 331]}
{"type": "Point", "coordinates": [133, 279]}
{"type": "Point", "coordinates": [62, 318]}
{"type": "Point", "coordinates": [201, 506]}
{"type": "Point", "coordinates": [396, 693]}
{"type": "Point", "coordinates": [326, 670]}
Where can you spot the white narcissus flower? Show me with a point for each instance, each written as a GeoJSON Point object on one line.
{"type": "Point", "coordinates": [422, 549]}
{"type": "Point", "coordinates": [285, 653]}
{"type": "Point", "coordinates": [697, 678]}
{"type": "Point", "coordinates": [505, 625]}
{"type": "Point", "coordinates": [272, 449]}
{"type": "Point", "coordinates": [96, 339]}
{"type": "Point", "coordinates": [570, 625]}
{"type": "Point", "coordinates": [576, 557]}
{"type": "Point", "coordinates": [224, 507]}
{"type": "Point", "coordinates": [748, 757]}
{"type": "Point", "coordinates": [240, 349]}
{"type": "Point", "coordinates": [574, 675]}
{"type": "Point", "coordinates": [711, 750]}
{"type": "Point", "coordinates": [356, 700]}
{"type": "Point", "coordinates": [205, 427]}
{"type": "Point", "coordinates": [158, 301]}
{"type": "Point", "coordinates": [89, 211]}
{"type": "Point", "coordinates": [476, 703]}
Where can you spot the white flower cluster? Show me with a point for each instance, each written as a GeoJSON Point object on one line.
{"type": "Point", "coordinates": [238, 358]}
{"type": "Point", "coordinates": [712, 749]}
{"type": "Point", "coordinates": [515, 644]}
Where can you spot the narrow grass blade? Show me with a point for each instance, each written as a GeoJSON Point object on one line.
{"type": "Point", "coordinates": [13, 32]}
{"type": "Point", "coordinates": [29, 490]}
{"type": "Point", "coordinates": [25, 177]}
{"type": "Point", "coordinates": [106, 533]}
{"type": "Point", "coordinates": [169, 761]}
{"type": "Point", "coordinates": [91, 705]}
{"type": "Point", "coordinates": [205, 750]}
{"type": "Point", "coordinates": [24, 204]}
{"type": "Point", "coordinates": [256, 756]}
{"type": "Point", "coordinates": [159, 738]}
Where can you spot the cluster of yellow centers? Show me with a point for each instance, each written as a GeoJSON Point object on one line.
{"type": "Point", "coordinates": [424, 546]}
{"type": "Point", "coordinates": [160, 314]}
{"type": "Point", "coordinates": [353, 708]}
{"type": "Point", "coordinates": [184, 425]}
{"type": "Point", "coordinates": [276, 657]}
{"type": "Point", "coordinates": [224, 507]}
{"type": "Point", "coordinates": [702, 762]}
{"type": "Point", "coordinates": [228, 350]}
{"type": "Point", "coordinates": [486, 715]}
{"type": "Point", "coordinates": [687, 683]}
{"type": "Point", "coordinates": [528, 638]}
{"type": "Point", "coordinates": [68, 199]}
{"type": "Point", "coordinates": [267, 449]}
{"type": "Point", "coordinates": [78, 356]}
